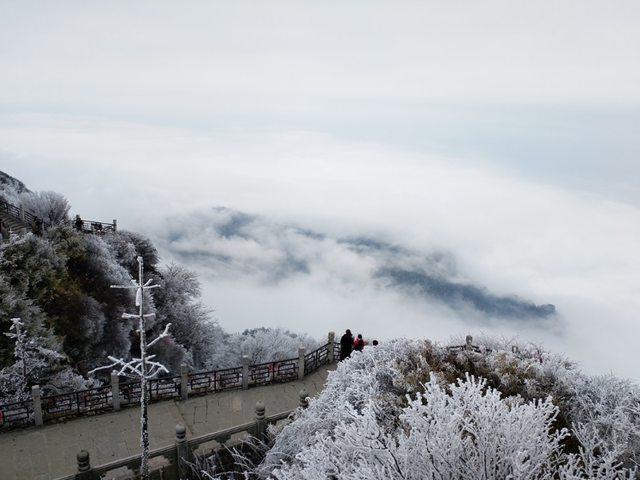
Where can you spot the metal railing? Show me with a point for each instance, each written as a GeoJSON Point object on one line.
{"type": "Point", "coordinates": [274, 372]}
{"type": "Point", "coordinates": [94, 227]}
{"type": "Point", "coordinates": [17, 414]}
{"type": "Point", "coordinates": [21, 214]}
{"type": "Point", "coordinates": [100, 399]}
{"type": "Point", "coordinates": [86, 226]}
{"type": "Point", "coordinates": [72, 404]}
{"type": "Point", "coordinates": [9, 209]}
{"type": "Point", "coordinates": [316, 359]}
{"type": "Point", "coordinates": [215, 381]}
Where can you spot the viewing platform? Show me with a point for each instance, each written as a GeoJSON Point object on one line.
{"type": "Point", "coordinates": [18, 221]}
{"type": "Point", "coordinates": [50, 452]}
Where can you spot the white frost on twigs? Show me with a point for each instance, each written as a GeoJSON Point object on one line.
{"type": "Point", "coordinates": [132, 368]}
{"type": "Point", "coordinates": [164, 334]}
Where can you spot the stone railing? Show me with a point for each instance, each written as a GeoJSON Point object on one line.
{"type": "Point", "coordinates": [176, 460]}
{"type": "Point", "coordinates": [39, 410]}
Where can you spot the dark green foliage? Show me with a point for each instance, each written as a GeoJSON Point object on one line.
{"type": "Point", "coordinates": [64, 279]}
{"type": "Point", "coordinates": [32, 268]}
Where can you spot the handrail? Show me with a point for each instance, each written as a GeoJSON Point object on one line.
{"type": "Point", "coordinates": [20, 214]}
{"type": "Point", "coordinates": [86, 226]}
{"type": "Point", "coordinates": [94, 227]}
{"type": "Point", "coordinates": [100, 399]}
{"type": "Point", "coordinates": [169, 452]}
{"type": "Point", "coordinates": [9, 209]}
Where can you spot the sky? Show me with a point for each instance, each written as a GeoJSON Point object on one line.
{"type": "Point", "coordinates": [387, 167]}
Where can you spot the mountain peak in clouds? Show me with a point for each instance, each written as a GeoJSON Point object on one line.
{"type": "Point", "coordinates": [462, 295]}
{"type": "Point", "coordinates": [231, 222]}
{"type": "Point", "coordinates": [225, 243]}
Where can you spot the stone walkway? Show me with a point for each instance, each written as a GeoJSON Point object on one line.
{"type": "Point", "coordinates": [49, 452]}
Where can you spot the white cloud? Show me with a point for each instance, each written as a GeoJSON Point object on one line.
{"type": "Point", "coordinates": [207, 57]}
{"type": "Point", "coordinates": [433, 126]}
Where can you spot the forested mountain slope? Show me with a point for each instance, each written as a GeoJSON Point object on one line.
{"type": "Point", "coordinates": [58, 285]}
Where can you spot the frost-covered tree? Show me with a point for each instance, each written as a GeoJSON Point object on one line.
{"type": "Point", "coordinates": [12, 305]}
{"type": "Point", "coordinates": [31, 357]}
{"type": "Point", "coordinates": [143, 368]}
{"type": "Point", "coordinates": [32, 267]}
{"type": "Point", "coordinates": [65, 276]}
{"type": "Point", "coordinates": [126, 242]}
{"type": "Point", "coordinates": [51, 207]}
{"type": "Point", "coordinates": [37, 359]}
{"type": "Point", "coordinates": [262, 345]}
{"type": "Point", "coordinates": [605, 416]}
{"type": "Point", "coordinates": [192, 325]}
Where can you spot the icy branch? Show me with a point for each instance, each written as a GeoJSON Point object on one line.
{"type": "Point", "coordinates": [132, 368]}
{"type": "Point", "coordinates": [162, 335]}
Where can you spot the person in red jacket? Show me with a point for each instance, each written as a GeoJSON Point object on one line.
{"type": "Point", "coordinates": [359, 344]}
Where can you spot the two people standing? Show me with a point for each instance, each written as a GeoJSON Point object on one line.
{"type": "Point", "coordinates": [349, 344]}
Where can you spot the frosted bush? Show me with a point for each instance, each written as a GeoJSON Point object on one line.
{"type": "Point", "coordinates": [373, 421]}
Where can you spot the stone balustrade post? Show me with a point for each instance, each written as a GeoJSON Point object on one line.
{"type": "Point", "coordinates": [37, 405]}
{"type": "Point", "coordinates": [261, 422]}
{"type": "Point", "coordinates": [184, 381]}
{"type": "Point", "coordinates": [332, 339]}
{"type": "Point", "coordinates": [115, 225]}
{"type": "Point", "coordinates": [301, 352]}
{"type": "Point", "coordinates": [21, 213]}
{"type": "Point", "coordinates": [469, 340]}
{"type": "Point", "coordinates": [304, 398]}
{"type": "Point", "coordinates": [182, 451]}
{"type": "Point", "coordinates": [245, 372]}
{"type": "Point", "coordinates": [84, 466]}
{"type": "Point", "coordinates": [115, 391]}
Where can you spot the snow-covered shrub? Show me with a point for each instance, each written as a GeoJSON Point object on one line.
{"type": "Point", "coordinates": [262, 345]}
{"type": "Point", "coordinates": [605, 414]}
{"type": "Point", "coordinates": [462, 431]}
{"type": "Point", "coordinates": [370, 374]}
{"type": "Point", "coordinates": [391, 412]}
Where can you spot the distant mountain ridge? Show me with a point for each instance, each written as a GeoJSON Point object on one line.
{"type": "Point", "coordinates": [229, 243]}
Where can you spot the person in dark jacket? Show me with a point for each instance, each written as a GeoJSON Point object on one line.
{"type": "Point", "coordinates": [345, 344]}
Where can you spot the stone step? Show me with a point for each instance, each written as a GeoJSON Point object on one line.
{"type": "Point", "coordinates": [15, 225]}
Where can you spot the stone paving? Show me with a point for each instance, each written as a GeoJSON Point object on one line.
{"type": "Point", "coordinates": [49, 452]}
